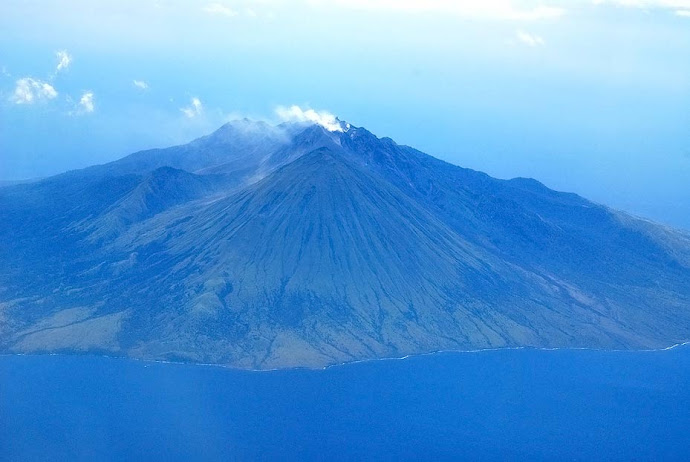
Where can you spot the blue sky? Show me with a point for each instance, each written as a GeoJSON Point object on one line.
{"type": "Point", "coordinates": [586, 96]}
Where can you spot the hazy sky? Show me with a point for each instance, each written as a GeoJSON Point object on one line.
{"type": "Point", "coordinates": [586, 96]}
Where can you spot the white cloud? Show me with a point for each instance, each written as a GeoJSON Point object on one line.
{"type": "Point", "coordinates": [528, 39]}
{"type": "Point", "coordinates": [86, 102]}
{"type": "Point", "coordinates": [140, 84]}
{"type": "Point", "coordinates": [486, 9]}
{"type": "Point", "coordinates": [219, 8]}
{"type": "Point", "coordinates": [648, 4]}
{"type": "Point", "coordinates": [194, 109]}
{"type": "Point", "coordinates": [64, 60]}
{"type": "Point", "coordinates": [510, 10]}
{"type": "Point", "coordinates": [5, 72]}
{"type": "Point", "coordinates": [297, 114]}
{"type": "Point", "coordinates": [29, 90]}
{"type": "Point", "coordinates": [683, 13]}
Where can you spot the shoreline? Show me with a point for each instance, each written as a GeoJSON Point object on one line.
{"type": "Point", "coordinates": [347, 363]}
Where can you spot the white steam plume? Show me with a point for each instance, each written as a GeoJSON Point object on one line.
{"type": "Point", "coordinates": [297, 114]}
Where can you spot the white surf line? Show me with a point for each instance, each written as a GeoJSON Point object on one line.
{"type": "Point", "coordinates": [161, 361]}
{"type": "Point", "coordinates": [482, 350]}
{"type": "Point", "coordinates": [346, 363]}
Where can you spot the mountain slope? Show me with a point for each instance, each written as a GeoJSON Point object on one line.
{"type": "Point", "coordinates": [158, 191]}
{"type": "Point", "coordinates": [325, 247]}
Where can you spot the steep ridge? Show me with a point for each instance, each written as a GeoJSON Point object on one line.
{"type": "Point", "coordinates": [298, 246]}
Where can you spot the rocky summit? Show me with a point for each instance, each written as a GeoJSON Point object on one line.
{"type": "Point", "coordinates": [299, 245]}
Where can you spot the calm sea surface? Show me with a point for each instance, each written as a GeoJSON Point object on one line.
{"type": "Point", "coordinates": [492, 405]}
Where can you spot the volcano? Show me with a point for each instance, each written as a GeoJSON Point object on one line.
{"type": "Point", "coordinates": [298, 245]}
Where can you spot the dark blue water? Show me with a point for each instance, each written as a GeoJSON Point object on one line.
{"type": "Point", "coordinates": [500, 405]}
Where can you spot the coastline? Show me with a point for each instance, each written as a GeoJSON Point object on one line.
{"type": "Point", "coordinates": [347, 363]}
